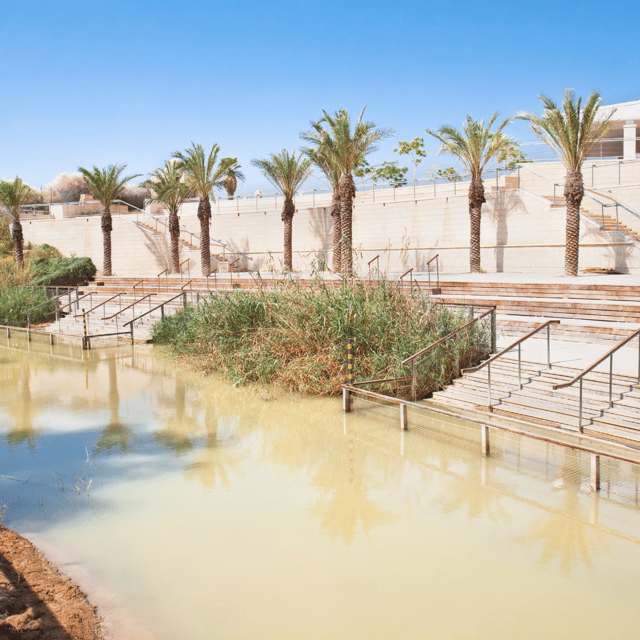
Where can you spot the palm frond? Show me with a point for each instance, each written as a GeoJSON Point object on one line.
{"type": "Point", "coordinates": [285, 171]}
{"type": "Point", "coordinates": [571, 130]}
{"type": "Point", "coordinates": [106, 184]}
{"type": "Point", "coordinates": [475, 145]}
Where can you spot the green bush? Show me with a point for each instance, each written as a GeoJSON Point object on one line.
{"type": "Point", "coordinates": [16, 301]}
{"type": "Point", "coordinates": [296, 337]}
{"type": "Point", "coordinates": [62, 272]}
{"type": "Point", "coordinates": [38, 251]}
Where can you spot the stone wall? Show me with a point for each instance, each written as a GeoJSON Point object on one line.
{"type": "Point", "coordinates": [521, 232]}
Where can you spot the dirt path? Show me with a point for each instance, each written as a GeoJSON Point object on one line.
{"type": "Point", "coordinates": [36, 601]}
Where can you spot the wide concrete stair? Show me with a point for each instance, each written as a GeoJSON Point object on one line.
{"type": "Point", "coordinates": [539, 403]}
{"type": "Point", "coordinates": [588, 312]}
{"type": "Point", "coordinates": [225, 264]}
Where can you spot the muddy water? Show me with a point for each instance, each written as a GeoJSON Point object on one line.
{"type": "Point", "coordinates": [219, 512]}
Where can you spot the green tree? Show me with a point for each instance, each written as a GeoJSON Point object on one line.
{"type": "Point", "coordinates": [474, 146]}
{"type": "Point", "coordinates": [415, 151]}
{"type": "Point", "coordinates": [287, 173]}
{"type": "Point", "coordinates": [202, 175]}
{"type": "Point", "coordinates": [571, 131]}
{"type": "Point", "coordinates": [232, 176]}
{"type": "Point", "coordinates": [390, 172]}
{"type": "Point", "coordinates": [322, 159]}
{"type": "Point", "coordinates": [512, 155]}
{"type": "Point", "coordinates": [167, 188]}
{"type": "Point", "coordinates": [12, 196]}
{"type": "Point", "coordinates": [105, 185]}
{"type": "Point", "coordinates": [348, 148]}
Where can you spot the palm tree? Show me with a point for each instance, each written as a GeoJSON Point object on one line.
{"type": "Point", "coordinates": [286, 173]}
{"type": "Point", "coordinates": [232, 176]}
{"type": "Point", "coordinates": [168, 189]}
{"type": "Point", "coordinates": [320, 157]}
{"type": "Point", "coordinates": [12, 196]}
{"type": "Point", "coordinates": [571, 132]}
{"type": "Point", "coordinates": [474, 146]}
{"type": "Point", "coordinates": [348, 150]}
{"type": "Point", "coordinates": [105, 185]}
{"type": "Point", "coordinates": [202, 176]}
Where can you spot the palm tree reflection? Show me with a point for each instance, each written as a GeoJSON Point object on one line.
{"type": "Point", "coordinates": [344, 506]}
{"type": "Point", "coordinates": [566, 534]}
{"type": "Point", "coordinates": [116, 435]}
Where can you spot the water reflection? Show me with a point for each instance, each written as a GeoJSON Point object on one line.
{"type": "Point", "coordinates": [271, 486]}
{"type": "Point", "coordinates": [566, 534]}
{"type": "Point", "coordinates": [344, 506]}
{"type": "Point", "coordinates": [116, 436]}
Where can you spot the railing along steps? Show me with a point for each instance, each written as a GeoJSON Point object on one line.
{"type": "Point", "coordinates": [538, 402]}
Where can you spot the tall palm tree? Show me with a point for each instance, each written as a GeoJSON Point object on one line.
{"type": "Point", "coordinates": [287, 173]}
{"type": "Point", "coordinates": [12, 196]}
{"type": "Point", "coordinates": [202, 175]}
{"type": "Point", "coordinates": [168, 189]}
{"type": "Point", "coordinates": [348, 149]}
{"type": "Point", "coordinates": [105, 185]}
{"type": "Point", "coordinates": [474, 146]}
{"type": "Point", "coordinates": [571, 131]}
{"type": "Point", "coordinates": [232, 176]}
{"type": "Point", "coordinates": [322, 159]}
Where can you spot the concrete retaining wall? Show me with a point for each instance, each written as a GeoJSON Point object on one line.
{"type": "Point", "coordinates": [520, 233]}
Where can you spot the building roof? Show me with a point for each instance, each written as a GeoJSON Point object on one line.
{"type": "Point", "coordinates": [623, 110]}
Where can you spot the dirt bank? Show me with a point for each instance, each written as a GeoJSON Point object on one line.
{"type": "Point", "coordinates": [36, 601]}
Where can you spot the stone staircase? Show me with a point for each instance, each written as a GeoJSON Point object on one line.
{"type": "Point", "coordinates": [539, 403]}
{"type": "Point", "coordinates": [225, 265]}
{"type": "Point", "coordinates": [588, 312]}
{"type": "Point", "coordinates": [606, 222]}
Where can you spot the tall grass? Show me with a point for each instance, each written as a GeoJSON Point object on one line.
{"type": "Point", "coordinates": [296, 337]}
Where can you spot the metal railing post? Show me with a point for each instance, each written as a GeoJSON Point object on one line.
{"type": "Point", "coordinates": [489, 383]}
{"type": "Point", "coordinates": [493, 330]}
{"type": "Point", "coordinates": [549, 346]}
{"type": "Point", "coordinates": [611, 381]}
{"type": "Point", "coordinates": [520, 365]}
{"type": "Point", "coordinates": [580, 409]}
{"type": "Point", "coordinates": [414, 380]}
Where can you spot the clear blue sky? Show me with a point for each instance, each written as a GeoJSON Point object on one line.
{"type": "Point", "coordinates": [95, 83]}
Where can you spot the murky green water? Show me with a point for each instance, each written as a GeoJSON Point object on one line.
{"type": "Point", "coordinates": [212, 512]}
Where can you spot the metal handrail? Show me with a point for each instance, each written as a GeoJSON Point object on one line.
{"type": "Point", "coordinates": [412, 359]}
{"type": "Point", "coordinates": [79, 315]}
{"type": "Point", "coordinates": [66, 293]}
{"type": "Point", "coordinates": [188, 268]}
{"type": "Point", "coordinates": [436, 258]}
{"type": "Point", "coordinates": [453, 333]}
{"type": "Point", "coordinates": [86, 295]}
{"type": "Point", "coordinates": [517, 343]}
{"type": "Point", "coordinates": [377, 266]}
{"type": "Point", "coordinates": [590, 368]}
{"type": "Point", "coordinates": [160, 306]}
{"type": "Point", "coordinates": [133, 304]}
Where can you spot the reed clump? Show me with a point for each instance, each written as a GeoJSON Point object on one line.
{"type": "Point", "coordinates": [295, 337]}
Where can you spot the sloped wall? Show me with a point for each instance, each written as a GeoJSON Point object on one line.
{"type": "Point", "coordinates": [520, 233]}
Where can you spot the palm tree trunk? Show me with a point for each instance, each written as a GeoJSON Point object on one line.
{"type": "Point", "coordinates": [107, 227]}
{"type": "Point", "coordinates": [174, 233]}
{"type": "Point", "coordinates": [288, 211]}
{"type": "Point", "coordinates": [346, 189]}
{"type": "Point", "coordinates": [476, 200]}
{"type": "Point", "coordinates": [18, 242]}
{"type": "Point", "coordinates": [337, 231]}
{"type": "Point", "coordinates": [573, 193]}
{"type": "Point", "coordinates": [204, 215]}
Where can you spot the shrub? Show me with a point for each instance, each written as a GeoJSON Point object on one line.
{"type": "Point", "coordinates": [296, 337]}
{"type": "Point", "coordinates": [38, 251]}
{"type": "Point", "coordinates": [62, 272]}
{"type": "Point", "coordinates": [16, 301]}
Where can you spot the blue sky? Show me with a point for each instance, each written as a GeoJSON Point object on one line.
{"type": "Point", "coordinates": [96, 83]}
